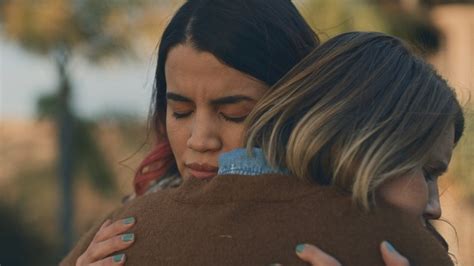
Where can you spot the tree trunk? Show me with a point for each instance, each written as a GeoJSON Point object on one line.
{"type": "Point", "coordinates": [65, 124]}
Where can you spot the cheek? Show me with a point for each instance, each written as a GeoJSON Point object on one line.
{"type": "Point", "coordinates": [232, 136]}
{"type": "Point", "coordinates": [409, 193]}
{"type": "Point", "coordinates": [176, 132]}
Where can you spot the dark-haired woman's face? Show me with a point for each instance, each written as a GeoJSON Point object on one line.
{"type": "Point", "coordinates": [207, 103]}
{"type": "Point", "coordinates": [417, 192]}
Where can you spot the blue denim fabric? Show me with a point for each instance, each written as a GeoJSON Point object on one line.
{"type": "Point", "coordinates": [238, 162]}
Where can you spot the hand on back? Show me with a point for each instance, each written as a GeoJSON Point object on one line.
{"type": "Point", "coordinates": [316, 257]}
{"type": "Point", "coordinates": [110, 238]}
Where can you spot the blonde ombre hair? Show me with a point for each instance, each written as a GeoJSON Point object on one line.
{"type": "Point", "coordinates": [360, 109]}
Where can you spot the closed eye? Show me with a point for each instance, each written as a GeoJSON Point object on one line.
{"type": "Point", "coordinates": [234, 119]}
{"type": "Point", "coordinates": [179, 115]}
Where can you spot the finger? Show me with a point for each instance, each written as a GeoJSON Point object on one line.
{"type": "Point", "coordinates": [391, 257]}
{"type": "Point", "coordinates": [98, 251]}
{"type": "Point", "coordinates": [106, 223]}
{"type": "Point", "coordinates": [315, 256]}
{"type": "Point", "coordinates": [114, 229]}
{"type": "Point", "coordinates": [118, 259]}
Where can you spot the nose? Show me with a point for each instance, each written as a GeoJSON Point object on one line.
{"type": "Point", "coordinates": [204, 135]}
{"type": "Point", "coordinates": [433, 208]}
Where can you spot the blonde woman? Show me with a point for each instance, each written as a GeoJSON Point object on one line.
{"type": "Point", "coordinates": [355, 137]}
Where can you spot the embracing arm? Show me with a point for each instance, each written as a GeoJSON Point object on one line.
{"type": "Point", "coordinates": [102, 240]}
{"type": "Point", "coordinates": [102, 244]}
{"type": "Point", "coordinates": [82, 245]}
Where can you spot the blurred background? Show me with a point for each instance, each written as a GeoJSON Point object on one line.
{"type": "Point", "coordinates": [76, 80]}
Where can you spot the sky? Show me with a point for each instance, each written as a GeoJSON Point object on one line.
{"type": "Point", "coordinates": [119, 87]}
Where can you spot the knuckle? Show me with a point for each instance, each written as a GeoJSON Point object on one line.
{"type": "Point", "coordinates": [93, 254]}
{"type": "Point", "coordinates": [115, 227]}
{"type": "Point", "coordinates": [98, 235]}
{"type": "Point", "coordinates": [114, 244]}
{"type": "Point", "coordinates": [118, 226]}
{"type": "Point", "coordinates": [117, 243]}
{"type": "Point", "coordinates": [110, 231]}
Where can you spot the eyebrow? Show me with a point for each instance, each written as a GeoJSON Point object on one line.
{"type": "Point", "coordinates": [220, 101]}
{"type": "Point", "coordinates": [231, 100]}
{"type": "Point", "coordinates": [177, 97]}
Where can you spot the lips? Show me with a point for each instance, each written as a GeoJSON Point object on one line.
{"type": "Point", "coordinates": [202, 171]}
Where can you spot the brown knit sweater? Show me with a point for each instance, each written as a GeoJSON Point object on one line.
{"type": "Point", "coordinates": [258, 220]}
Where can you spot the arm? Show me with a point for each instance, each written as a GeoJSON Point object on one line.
{"type": "Point", "coordinates": [102, 240]}
{"type": "Point", "coordinates": [82, 245]}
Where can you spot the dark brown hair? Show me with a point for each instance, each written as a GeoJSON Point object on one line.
{"type": "Point", "coordinates": [261, 38]}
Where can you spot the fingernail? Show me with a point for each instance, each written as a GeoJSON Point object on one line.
{"type": "Point", "coordinates": [127, 237]}
{"type": "Point", "coordinates": [389, 246]}
{"type": "Point", "coordinates": [118, 258]}
{"type": "Point", "coordinates": [299, 248]}
{"type": "Point", "coordinates": [129, 220]}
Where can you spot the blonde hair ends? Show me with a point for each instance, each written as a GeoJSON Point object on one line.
{"type": "Point", "coordinates": [358, 110]}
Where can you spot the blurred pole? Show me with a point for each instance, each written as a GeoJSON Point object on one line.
{"type": "Point", "coordinates": [65, 125]}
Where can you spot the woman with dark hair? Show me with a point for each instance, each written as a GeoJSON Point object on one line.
{"type": "Point", "coordinates": [256, 39]}
{"type": "Point", "coordinates": [234, 49]}
{"type": "Point", "coordinates": [216, 59]}
{"type": "Point", "coordinates": [351, 143]}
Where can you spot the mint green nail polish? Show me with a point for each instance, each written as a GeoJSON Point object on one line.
{"type": "Point", "coordinates": [389, 247]}
{"type": "Point", "coordinates": [299, 248]}
{"type": "Point", "coordinates": [118, 257]}
{"type": "Point", "coordinates": [127, 237]}
{"type": "Point", "coordinates": [129, 220]}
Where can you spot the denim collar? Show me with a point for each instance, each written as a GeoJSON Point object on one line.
{"type": "Point", "coordinates": [239, 162]}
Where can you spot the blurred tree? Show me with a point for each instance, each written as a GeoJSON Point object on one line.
{"type": "Point", "coordinates": [444, 2]}
{"type": "Point", "coordinates": [411, 20]}
{"type": "Point", "coordinates": [408, 19]}
{"type": "Point", "coordinates": [59, 29]}
{"type": "Point", "coordinates": [327, 17]}
{"type": "Point", "coordinates": [330, 18]}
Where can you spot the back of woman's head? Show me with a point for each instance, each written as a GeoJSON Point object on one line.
{"type": "Point", "coordinates": [261, 38]}
{"type": "Point", "coordinates": [358, 110]}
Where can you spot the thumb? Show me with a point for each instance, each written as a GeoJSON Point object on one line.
{"type": "Point", "coordinates": [391, 257]}
{"type": "Point", "coordinates": [315, 256]}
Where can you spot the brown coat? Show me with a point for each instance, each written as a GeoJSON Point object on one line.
{"type": "Point", "coordinates": [258, 220]}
